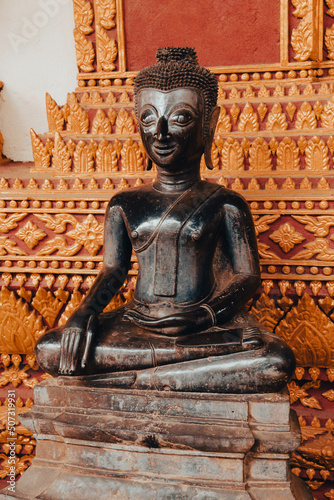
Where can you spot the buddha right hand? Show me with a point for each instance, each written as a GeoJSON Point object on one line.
{"type": "Point", "coordinates": [71, 341]}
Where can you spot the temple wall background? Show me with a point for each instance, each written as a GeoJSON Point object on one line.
{"type": "Point", "coordinates": [274, 143]}
{"type": "Point", "coordinates": [37, 55]}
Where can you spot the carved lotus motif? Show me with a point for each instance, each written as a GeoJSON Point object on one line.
{"type": "Point", "coordinates": [89, 233]}
{"type": "Point", "coordinates": [30, 234]}
{"type": "Point", "coordinates": [287, 237]}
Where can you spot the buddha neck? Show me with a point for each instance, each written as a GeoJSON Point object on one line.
{"type": "Point", "coordinates": [176, 182]}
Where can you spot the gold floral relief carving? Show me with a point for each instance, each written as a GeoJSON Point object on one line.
{"type": "Point", "coordinates": [78, 121]}
{"type": "Point", "coordinates": [40, 152]}
{"type": "Point", "coordinates": [235, 111]}
{"type": "Point", "coordinates": [287, 237]}
{"type": "Point", "coordinates": [319, 247]}
{"type": "Point", "coordinates": [319, 226]}
{"type": "Point", "coordinates": [47, 305]}
{"type": "Point", "coordinates": [232, 155]}
{"type": "Point", "coordinates": [310, 334]}
{"type": "Point", "coordinates": [60, 246]}
{"type": "Point", "coordinates": [262, 111]}
{"type": "Point", "coordinates": [106, 49]}
{"type": "Point", "coordinates": [248, 121]}
{"type": "Point", "coordinates": [9, 247]}
{"type": "Point", "coordinates": [84, 51]}
{"type": "Point", "coordinates": [287, 155]}
{"type": "Point", "coordinates": [302, 36]}
{"type": "Point", "coordinates": [106, 157]}
{"type": "Point", "coordinates": [101, 125]}
{"type": "Point", "coordinates": [224, 122]}
{"type": "Point", "coordinates": [276, 119]}
{"type": "Point", "coordinates": [83, 158]}
{"type": "Point", "coordinates": [266, 312]}
{"type": "Point", "coordinates": [329, 42]}
{"type": "Point", "coordinates": [105, 13]}
{"type": "Point", "coordinates": [259, 155]}
{"type": "Point", "coordinates": [61, 159]}
{"type": "Point", "coordinates": [327, 116]}
{"type": "Point", "coordinates": [124, 123]}
{"type": "Point", "coordinates": [83, 16]}
{"type": "Point", "coordinates": [291, 109]}
{"type": "Point", "coordinates": [316, 155]}
{"type": "Point", "coordinates": [264, 92]}
{"type": "Point", "coordinates": [58, 222]}
{"type": "Point", "coordinates": [54, 115]}
{"type": "Point", "coordinates": [306, 118]}
{"type": "Point", "coordinates": [20, 327]}
{"type": "Point", "coordinates": [132, 159]}
{"type": "Point", "coordinates": [30, 234]}
{"type": "Point", "coordinates": [88, 233]}
{"type": "Point", "coordinates": [7, 223]}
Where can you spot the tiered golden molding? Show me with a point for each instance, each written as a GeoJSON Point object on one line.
{"type": "Point", "coordinates": [274, 143]}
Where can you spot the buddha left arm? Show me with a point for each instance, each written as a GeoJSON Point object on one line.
{"type": "Point", "coordinates": [241, 246]}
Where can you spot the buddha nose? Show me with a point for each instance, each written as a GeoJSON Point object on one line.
{"type": "Point", "coordinates": [162, 128]}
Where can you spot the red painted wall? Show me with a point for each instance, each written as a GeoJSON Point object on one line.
{"type": "Point", "coordinates": [223, 32]}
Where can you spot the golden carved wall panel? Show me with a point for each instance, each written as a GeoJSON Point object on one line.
{"type": "Point", "coordinates": [274, 143]}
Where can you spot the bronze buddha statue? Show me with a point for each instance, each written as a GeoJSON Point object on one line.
{"type": "Point", "coordinates": [186, 328]}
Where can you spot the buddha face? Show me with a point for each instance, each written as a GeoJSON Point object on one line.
{"type": "Point", "coordinates": [171, 126]}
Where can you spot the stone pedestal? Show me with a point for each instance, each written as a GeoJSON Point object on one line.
{"type": "Point", "coordinates": [99, 443]}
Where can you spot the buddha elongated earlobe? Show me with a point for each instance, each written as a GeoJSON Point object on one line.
{"type": "Point", "coordinates": [209, 139]}
{"type": "Point", "coordinates": [149, 163]}
{"type": "Point", "coordinates": [207, 155]}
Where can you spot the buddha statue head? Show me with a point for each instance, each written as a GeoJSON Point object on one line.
{"type": "Point", "coordinates": [176, 97]}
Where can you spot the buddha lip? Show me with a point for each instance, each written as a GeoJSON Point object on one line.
{"type": "Point", "coordinates": [164, 149]}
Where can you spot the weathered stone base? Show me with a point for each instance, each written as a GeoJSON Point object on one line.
{"type": "Point", "coordinates": [103, 444]}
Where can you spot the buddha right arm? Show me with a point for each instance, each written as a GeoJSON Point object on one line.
{"type": "Point", "coordinates": [117, 255]}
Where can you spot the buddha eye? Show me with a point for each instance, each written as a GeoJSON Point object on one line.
{"type": "Point", "coordinates": [147, 117]}
{"type": "Point", "coordinates": [182, 118]}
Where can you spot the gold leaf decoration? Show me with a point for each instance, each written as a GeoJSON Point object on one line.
{"type": "Point", "coordinates": [319, 247]}
{"type": "Point", "coordinates": [318, 109]}
{"type": "Point", "coordinates": [124, 97]}
{"type": "Point", "coordinates": [309, 333]}
{"type": "Point", "coordinates": [327, 116]}
{"type": "Point", "coordinates": [316, 155]}
{"type": "Point", "coordinates": [101, 125]}
{"type": "Point", "coordinates": [232, 155]}
{"type": "Point", "coordinates": [287, 237]}
{"type": "Point", "coordinates": [83, 16]}
{"type": "Point", "coordinates": [301, 37]}
{"type": "Point", "coordinates": [72, 305]}
{"type": "Point", "coordinates": [287, 155]}
{"type": "Point", "coordinates": [329, 42]}
{"type": "Point", "coordinates": [276, 119]}
{"type": "Point", "coordinates": [61, 160]}
{"type": "Point", "coordinates": [302, 144]}
{"type": "Point", "coordinates": [319, 226]}
{"type": "Point", "coordinates": [7, 223]}
{"type": "Point", "coordinates": [20, 327]}
{"type": "Point", "coordinates": [59, 222]}
{"type": "Point", "coordinates": [60, 246]}
{"type": "Point", "coordinates": [306, 118]}
{"type": "Point", "coordinates": [124, 123]}
{"type": "Point", "coordinates": [266, 312]}
{"type": "Point", "coordinates": [106, 49]}
{"type": "Point", "coordinates": [249, 92]}
{"type": "Point", "coordinates": [96, 98]}
{"type": "Point", "coordinates": [47, 305]}
{"type": "Point", "coordinates": [237, 185]}
{"type": "Point", "coordinates": [54, 115]}
{"type": "Point", "coordinates": [224, 122]}
{"type": "Point", "coordinates": [289, 184]}
{"type": "Point", "coordinates": [309, 90]}
{"type": "Point", "coordinates": [254, 185]}
{"type": "Point", "coordinates": [294, 90]}
{"type": "Point", "coordinates": [306, 184]}
{"type": "Point", "coordinates": [83, 158]}
{"type": "Point", "coordinates": [234, 111]}
{"type": "Point", "coordinates": [132, 160]}
{"type": "Point", "coordinates": [106, 157]}
{"type": "Point", "coordinates": [84, 51]}
{"type": "Point", "coordinates": [248, 121]}
{"type": "Point", "coordinates": [78, 122]}
{"type": "Point", "coordinates": [259, 155]}
{"type": "Point", "coordinates": [40, 152]}
{"type": "Point", "coordinates": [262, 111]}
{"type": "Point", "coordinates": [234, 94]}
{"type": "Point", "coordinates": [105, 13]}
{"type": "Point", "coordinates": [271, 184]}
{"type": "Point", "coordinates": [291, 109]}
{"type": "Point", "coordinates": [88, 233]}
{"type": "Point", "coordinates": [8, 246]}
{"type": "Point", "coordinates": [262, 223]}
{"type": "Point", "coordinates": [264, 92]}
{"type": "Point", "coordinates": [30, 234]}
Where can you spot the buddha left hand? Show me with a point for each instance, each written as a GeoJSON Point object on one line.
{"type": "Point", "coordinates": [177, 324]}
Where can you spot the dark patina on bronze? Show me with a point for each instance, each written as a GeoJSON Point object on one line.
{"type": "Point", "coordinates": [186, 328]}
